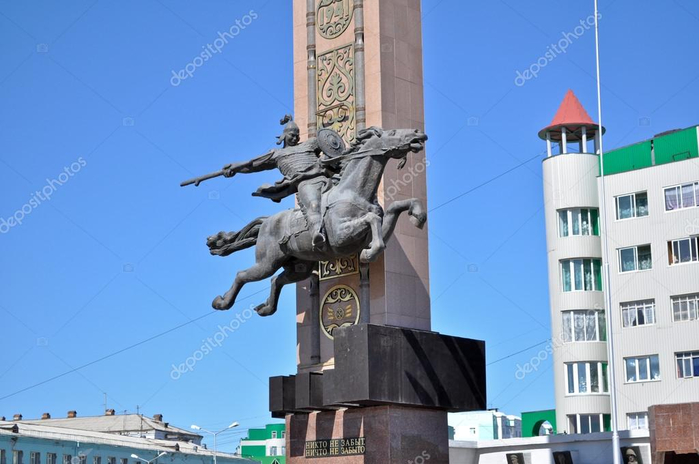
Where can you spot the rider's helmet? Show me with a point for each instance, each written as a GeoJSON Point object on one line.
{"type": "Point", "coordinates": [291, 134]}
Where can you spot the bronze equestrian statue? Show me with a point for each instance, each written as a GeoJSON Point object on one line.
{"type": "Point", "coordinates": [342, 205]}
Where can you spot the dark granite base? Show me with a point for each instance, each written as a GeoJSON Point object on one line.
{"type": "Point", "coordinates": [380, 365]}
{"type": "Point", "coordinates": [392, 435]}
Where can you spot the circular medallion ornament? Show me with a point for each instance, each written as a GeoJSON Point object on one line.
{"type": "Point", "coordinates": [334, 17]}
{"type": "Point", "coordinates": [330, 142]}
{"type": "Point", "coordinates": [340, 308]}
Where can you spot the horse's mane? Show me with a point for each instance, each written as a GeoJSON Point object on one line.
{"type": "Point", "coordinates": [362, 136]}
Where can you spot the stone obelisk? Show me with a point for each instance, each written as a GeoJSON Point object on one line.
{"type": "Point", "coordinates": [358, 63]}
{"type": "Point", "coordinates": [373, 384]}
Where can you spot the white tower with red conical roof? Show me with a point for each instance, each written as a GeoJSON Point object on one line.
{"type": "Point", "coordinates": [578, 321]}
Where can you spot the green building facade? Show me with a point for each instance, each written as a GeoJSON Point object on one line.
{"type": "Point", "coordinates": [533, 420]}
{"type": "Point", "coordinates": [267, 445]}
{"type": "Point", "coordinates": [663, 149]}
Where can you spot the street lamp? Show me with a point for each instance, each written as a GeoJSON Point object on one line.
{"type": "Point", "coordinates": [162, 453]}
{"type": "Point", "coordinates": [215, 434]}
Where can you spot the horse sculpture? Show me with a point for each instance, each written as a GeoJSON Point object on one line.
{"type": "Point", "coordinates": [352, 220]}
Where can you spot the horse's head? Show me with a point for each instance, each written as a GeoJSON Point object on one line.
{"type": "Point", "coordinates": [394, 143]}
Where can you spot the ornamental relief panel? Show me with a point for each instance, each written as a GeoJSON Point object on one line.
{"type": "Point", "coordinates": [336, 92]}
{"type": "Point", "coordinates": [333, 17]}
{"type": "Point", "coordinates": [339, 308]}
{"type": "Point", "coordinates": [338, 267]}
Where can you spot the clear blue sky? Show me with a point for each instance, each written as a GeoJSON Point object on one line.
{"type": "Point", "coordinates": [117, 255]}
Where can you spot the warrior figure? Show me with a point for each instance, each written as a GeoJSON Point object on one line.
{"type": "Point", "coordinates": [303, 172]}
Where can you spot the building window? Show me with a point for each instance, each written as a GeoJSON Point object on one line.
{"type": "Point", "coordinates": [51, 458]}
{"type": "Point", "coordinates": [3, 457]}
{"type": "Point", "coordinates": [111, 460]}
{"type": "Point", "coordinates": [635, 313]}
{"type": "Point", "coordinates": [682, 196]}
{"type": "Point", "coordinates": [687, 365]}
{"type": "Point", "coordinates": [642, 369]}
{"type": "Point", "coordinates": [578, 221]}
{"type": "Point", "coordinates": [273, 451]}
{"type": "Point", "coordinates": [34, 458]}
{"type": "Point", "coordinates": [685, 308]}
{"type": "Point", "coordinates": [637, 420]}
{"type": "Point", "coordinates": [638, 258]}
{"type": "Point", "coordinates": [67, 459]}
{"type": "Point", "coordinates": [584, 326]}
{"type": "Point", "coordinates": [588, 423]}
{"type": "Point", "coordinates": [587, 378]}
{"type": "Point", "coordinates": [17, 457]}
{"type": "Point", "coordinates": [581, 275]}
{"type": "Point", "coordinates": [683, 251]}
{"type": "Point", "coordinates": [95, 460]}
{"type": "Point", "coordinates": [274, 434]}
{"type": "Point", "coordinates": [631, 206]}
{"type": "Point", "coordinates": [283, 434]}
{"type": "Point", "coordinates": [123, 461]}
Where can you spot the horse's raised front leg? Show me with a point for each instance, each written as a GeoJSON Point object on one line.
{"type": "Point", "coordinates": [293, 272]}
{"type": "Point", "coordinates": [259, 271]}
{"type": "Point", "coordinates": [414, 207]}
{"type": "Point", "coordinates": [377, 245]}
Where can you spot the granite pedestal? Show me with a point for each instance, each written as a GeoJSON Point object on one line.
{"type": "Point", "coordinates": [386, 401]}
{"type": "Point", "coordinates": [390, 434]}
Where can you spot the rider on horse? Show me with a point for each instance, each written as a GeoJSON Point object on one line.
{"type": "Point", "coordinates": [303, 174]}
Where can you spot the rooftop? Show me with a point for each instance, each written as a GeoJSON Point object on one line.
{"type": "Point", "coordinates": [47, 430]}
{"type": "Point", "coordinates": [115, 424]}
{"type": "Point", "coordinates": [548, 440]}
{"type": "Point", "coordinates": [572, 117]}
{"type": "Point", "coordinates": [668, 147]}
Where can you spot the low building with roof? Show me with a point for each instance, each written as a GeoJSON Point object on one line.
{"type": "Point", "coordinates": [132, 425]}
{"type": "Point", "coordinates": [484, 425]}
{"type": "Point", "coordinates": [592, 448]}
{"type": "Point", "coordinates": [93, 440]}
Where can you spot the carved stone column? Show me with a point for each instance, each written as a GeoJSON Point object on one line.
{"type": "Point", "coordinates": [362, 66]}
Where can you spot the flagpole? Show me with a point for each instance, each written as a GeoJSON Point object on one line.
{"type": "Point", "coordinates": [611, 361]}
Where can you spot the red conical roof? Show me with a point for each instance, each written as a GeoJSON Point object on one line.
{"type": "Point", "coordinates": [571, 111]}
{"type": "Point", "coordinates": [571, 115]}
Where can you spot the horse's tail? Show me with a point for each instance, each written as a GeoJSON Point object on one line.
{"type": "Point", "coordinates": [226, 243]}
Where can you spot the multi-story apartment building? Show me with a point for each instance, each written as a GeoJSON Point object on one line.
{"type": "Point", "coordinates": [652, 217]}
{"type": "Point", "coordinates": [653, 230]}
